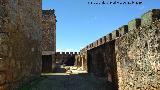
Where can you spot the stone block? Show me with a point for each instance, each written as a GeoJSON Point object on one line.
{"type": "Point", "coordinates": [48, 12]}
{"type": "Point", "coordinates": [150, 17]}
{"type": "Point", "coordinates": [103, 39]}
{"type": "Point", "coordinates": [99, 41]}
{"type": "Point", "coordinates": [123, 30]}
{"type": "Point", "coordinates": [83, 49]}
{"type": "Point", "coordinates": [71, 53]}
{"type": "Point", "coordinates": [67, 53]}
{"type": "Point", "coordinates": [76, 53]}
{"type": "Point", "coordinates": [108, 37]}
{"type": "Point", "coordinates": [95, 44]}
{"type": "Point", "coordinates": [90, 46]}
{"type": "Point", "coordinates": [134, 24]}
{"type": "Point", "coordinates": [63, 52]}
{"type": "Point", "coordinates": [57, 53]}
{"type": "Point", "coordinates": [87, 47]}
{"type": "Point", "coordinates": [115, 34]}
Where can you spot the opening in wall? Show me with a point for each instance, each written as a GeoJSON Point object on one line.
{"type": "Point", "coordinates": [46, 63]}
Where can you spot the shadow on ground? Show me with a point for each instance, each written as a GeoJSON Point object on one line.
{"type": "Point", "coordinates": [72, 82]}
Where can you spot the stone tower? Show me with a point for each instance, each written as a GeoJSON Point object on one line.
{"type": "Point", "coordinates": [49, 31]}
{"type": "Point", "coordinates": [48, 40]}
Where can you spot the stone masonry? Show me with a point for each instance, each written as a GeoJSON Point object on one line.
{"type": "Point", "coordinates": [129, 57]}
{"type": "Point", "coordinates": [48, 32]}
{"type": "Point", "coordinates": [48, 40]}
{"type": "Point", "coordinates": [67, 58]}
{"type": "Point", "coordinates": [20, 37]}
{"type": "Point", "coordinates": [138, 54]}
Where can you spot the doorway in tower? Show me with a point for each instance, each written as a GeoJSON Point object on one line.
{"type": "Point", "coordinates": [46, 63]}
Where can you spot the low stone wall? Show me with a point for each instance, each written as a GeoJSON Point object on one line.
{"type": "Point", "coordinates": [20, 36]}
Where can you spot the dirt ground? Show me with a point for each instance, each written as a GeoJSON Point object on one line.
{"type": "Point", "coordinates": [72, 82]}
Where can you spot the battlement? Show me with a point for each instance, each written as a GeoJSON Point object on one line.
{"type": "Point", "coordinates": [150, 16]}
{"type": "Point", "coordinates": [123, 30]}
{"type": "Point", "coordinates": [115, 34]}
{"type": "Point", "coordinates": [48, 12]}
{"type": "Point", "coordinates": [134, 24]}
{"type": "Point", "coordinates": [67, 53]}
{"type": "Point", "coordinates": [49, 15]}
{"type": "Point", "coordinates": [146, 19]}
{"type": "Point", "coordinates": [49, 30]}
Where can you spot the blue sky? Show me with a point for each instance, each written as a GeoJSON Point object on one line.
{"type": "Point", "coordinates": [80, 23]}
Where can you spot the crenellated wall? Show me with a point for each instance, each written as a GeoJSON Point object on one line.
{"type": "Point", "coordinates": [67, 58]}
{"type": "Point", "coordinates": [20, 37]}
{"type": "Point", "coordinates": [138, 54]}
{"type": "Point", "coordinates": [129, 56]}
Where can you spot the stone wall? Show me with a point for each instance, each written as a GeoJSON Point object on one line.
{"type": "Point", "coordinates": [20, 37]}
{"type": "Point", "coordinates": [129, 56]}
{"type": "Point", "coordinates": [81, 60]}
{"type": "Point", "coordinates": [138, 54]}
{"type": "Point", "coordinates": [67, 58]}
{"type": "Point", "coordinates": [101, 61]}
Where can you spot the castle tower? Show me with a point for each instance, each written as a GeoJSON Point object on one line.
{"type": "Point", "coordinates": [49, 30]}
{"type": "Point", "coordinates": [48, 39]}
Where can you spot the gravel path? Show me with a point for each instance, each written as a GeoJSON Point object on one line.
{"type": "Point", "coordinates": [72, 82]}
